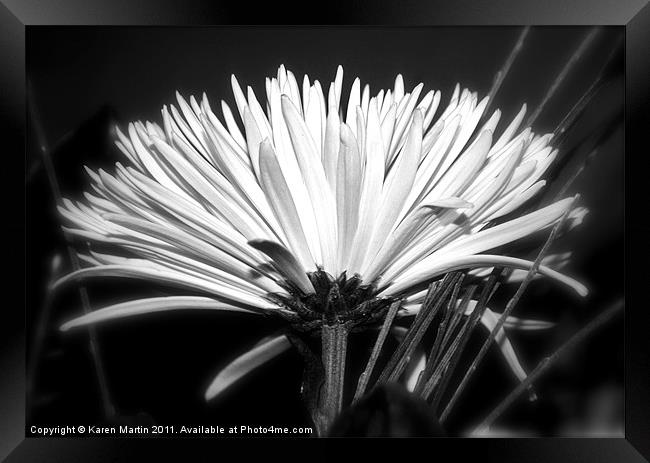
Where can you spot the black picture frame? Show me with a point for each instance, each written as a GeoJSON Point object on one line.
{"type": "Point", "coordinates": [17, 15]}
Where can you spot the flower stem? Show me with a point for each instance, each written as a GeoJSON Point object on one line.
{"type": "Point", "coordinates": [334, 341]}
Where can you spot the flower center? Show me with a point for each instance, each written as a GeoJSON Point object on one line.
{"type": "Point", "coordinates": [343, 300]}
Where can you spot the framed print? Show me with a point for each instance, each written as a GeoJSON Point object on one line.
{"type": "Point", "coordinates": [385, 222]}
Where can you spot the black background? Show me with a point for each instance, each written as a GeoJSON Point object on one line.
{"type": "Point", "coordinates": [161, 365]}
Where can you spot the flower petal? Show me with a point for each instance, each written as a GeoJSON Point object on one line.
{"type": "Point", "coordinates": [150, 305]}
{"type": "Point", "coordinates": [396, 190]}
{"type": "Point", "coordinates": [286, 263]}
{"type": "Point", "coordinates": [347, 195]}
{"type": "Point", "coordinates": [414, 368]}
{"type": "Point", "coordinates": [430, 269]}
{"type": "Point", "coordinates": [322, 199]}
{"type": "Point", "coordinates": [490, 320]}
{"type": "Point", "coordinates": [246, 363]}
{"type": "Point", "coordinates": [279, 196]}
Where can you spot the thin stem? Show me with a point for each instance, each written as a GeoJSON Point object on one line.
{"type": "Point", "coordinates": [461, 342]}
{"type": "Point", "coordinates": [457, 316]}
{"type": "Point", "coordinates": [334, 341]}
{"type": "Point", "coordinates": [430, 364]}
{"type": "Point", "coordinates": [432, 367]}
{"type": "Point", "coordinates": [109, 408]}
{"type": "Point", "coordinates": [398, 361]}
{"type": "Point", "coordinates": [503, 72]}
{"type": "Point", "coordinates": [39, 337]}
{"type": "Point", "coordinates": [604, 75]}
{"type": "Point", "coordinates": [602, 134]}
{"type": "Point", "coordinates": [549, 361]}
{"type": "Point", "coordinates": [575, 57]}
{"type": "Point", "coordinates": [506, 313]}
{"type": "Point", "coordinates": [379, 344]}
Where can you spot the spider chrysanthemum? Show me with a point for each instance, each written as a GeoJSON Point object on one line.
{"type": "Point", "coordinates": [314, 210]}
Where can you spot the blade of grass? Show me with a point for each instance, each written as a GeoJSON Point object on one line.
{"type": "Point", "coordinates": [505, 69]}
{"type": "Point", "coordinates": [458, 347]}
{"type": "Point", "coordinates": [606, 73]}
{"type": "Point", "coordinates": [107, 404]}
{"type": "Point", "coordinates": [506, 313]}
{"type": "Point", "coordinates": [379, 344]}
{"type": "Point", "coordinates": [547, 362]}
{"type": "Point", "coordinates": [575, 57]}
{"type": "Point", "coordinates": [433, 365]}
{"type": "Point", "coordinates": [453, 324]}
{"type": "Point", "coordinates": [400, 357]}
{"type": "Point", "coordinates": [601, 136]}
{"type": "Point", "coordinates": [431, 358]}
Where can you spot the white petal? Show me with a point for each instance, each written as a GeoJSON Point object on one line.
{"type": "Point", "coordinates": [428, 269]}
{"type": "Point", "coordinates": [353, 102]}
{"type": "Point", "coordinates": [414, 368]}
{"type": "Point", "coordinates": [509, 131]}
{"type": "Point", "coordinates": [490, 320]}
{"type": "Point", "coordinates": [509, 231]}
{"type": "Point", "coordinates": [372, 178]}
{"type": "Point", "coordinates": [279, 197]}
{"type": "Point", "coordinates": [151, 305]}
{"type": "Point", "coordinates": [338, 85]}
{"type": "Point", "coordinates": [322, 199]}
{"type": "Point", "coordinates": [396, 190]}
{"type": "Point", "coordinates": [245, 363]}
{"type": "Point", "coordinates": [167, 276]}
{"type": "Point", "coordinates": [232, 125]}
{"type": "Point", "coordinates": [347, 195]}
{"type": "Point", "coordinates": [286, 264]}
{"type": "Point", "coordinates": [331, 148]}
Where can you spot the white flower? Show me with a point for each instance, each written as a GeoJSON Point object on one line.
{"type": "Point", "coordinates": [253, 212]}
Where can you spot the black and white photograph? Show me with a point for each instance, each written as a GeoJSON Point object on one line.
{"type": "Point", "coordinates": [343, 218]}
{"type": "Point", "coordinates": [238, 232]}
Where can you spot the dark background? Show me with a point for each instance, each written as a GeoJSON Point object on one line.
{"type": "Point", "coordinates": [161, 365]}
